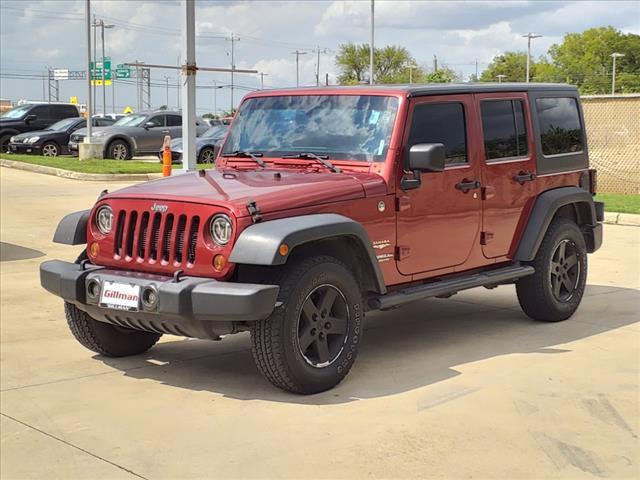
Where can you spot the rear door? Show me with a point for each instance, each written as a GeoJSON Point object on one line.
{"type": "Point", "coordinates": [508, 174]}
{"type": "Point", "coordinates": [174, 125]}
{"type": "Point", "coordinates": [438, 222]}
{"type": "Point", "coordinates": [43, 117]}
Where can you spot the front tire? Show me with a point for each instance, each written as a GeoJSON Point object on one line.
{"type": "Point", "coordinates": [4, 143]}
{"type": "Point", "coordinates": [207, 155]}
{"type": "Point", "coordinates": [310, 341]}
{"type": "Point", "coordinates": [50, 149]}
{"type": "Point", "coordinates": [119, 150]}
{"type": "Point", "coordinates": [107, 339]}
{"type": "Point", "coordinates": [555, 290]}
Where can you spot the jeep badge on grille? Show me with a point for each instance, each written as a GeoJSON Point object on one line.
{"type": "Point", "coordinates": [159, 208]}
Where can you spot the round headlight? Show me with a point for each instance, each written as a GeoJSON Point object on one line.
{"type": "Point", "coordinates": [221, 229]}
{"type": "Point", "coordinates": [104, 219]}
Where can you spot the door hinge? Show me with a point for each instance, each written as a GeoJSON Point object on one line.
{"type": "Point", "coordinates": [485, 237]}
{"type": "Point", "coordinates": [403, 203]}
{"type": "Point", "coordinates": [402, 252]}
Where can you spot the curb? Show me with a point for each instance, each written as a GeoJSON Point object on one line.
{"type": "Point", "coordinates": [629, 219]}
{"type": "Point", "coordinates": [94, 177]}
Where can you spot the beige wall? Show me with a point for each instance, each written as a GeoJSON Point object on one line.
{"type": "Point", "coordinates": [613, 130]}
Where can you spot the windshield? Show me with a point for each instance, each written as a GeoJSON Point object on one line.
{"type": "Point", "coordinates": [130, 121]}
{"type": "Point", "coordinates": [16, 112]}
{"type": "Point", "coordinates": [63, 124]}
{"type": "Point", "coordinates": [216, 132]}
{"type": "Point", "coordinates": [344, 127]}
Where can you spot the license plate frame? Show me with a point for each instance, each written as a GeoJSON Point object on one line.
{"type": "Point", "coordinates": [120, 296]}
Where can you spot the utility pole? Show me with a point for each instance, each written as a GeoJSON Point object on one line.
{"type": "Point", "coordinates": [297, 53]}
{"type": "Point", "coordinates": [178, 86]}
{"type": "Point", "coordinates": [89, 102]}
{"type": "Point", "coordinates": [326, 79]}
{"type": "Point", "coordinates": [477, 70]}
{"type": "Point", "coordinates": [614, 55]}
{"type": "Point", "coordinates": [529, 36]}
{"type": "Point", "coordinates": [215, 98]}
{"type": "Point", "coordinates": [233, 39]}
{"type": "Point", "coordinates": [371, 45]}
{"type": "Point", "coordinates": [319, 51]}
{"type": "Point", "coordinates": [500, 77]}
{"type": "Point", "coordinates": [262, 75]}
{"type": "Point", "coordinates": [189, 70]}
{"type": "Point", "coordinates": [95, 59]}
{"type": "Point", "coordinates": [102, 26]}
{"type": "Point", "coordinates": [166, 79]}
{"type": "Point", "coordinates": [435, 63]}
{"type": "Point", "coordinates": [113, 95]}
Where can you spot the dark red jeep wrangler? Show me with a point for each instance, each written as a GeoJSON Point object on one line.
{"type": "Point", "coordinates": [327, 203]}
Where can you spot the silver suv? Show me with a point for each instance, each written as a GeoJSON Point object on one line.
{"type": "Point", "coordinates": [139, 133]}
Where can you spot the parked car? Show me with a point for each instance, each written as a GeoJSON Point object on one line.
{"type": "Point", "coordinates": [52, 141]}
{"type": "Point", "coordinates": [31, 117]}
{"type": "Point", "coordinates": [135, 134]}
{"type": "Point", "coordinates": [330, 202]}
{"type": "Point", "coordinates": [207, 145]}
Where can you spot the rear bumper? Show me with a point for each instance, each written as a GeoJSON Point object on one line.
{"type": "Point", "coordinates": [191, 307]}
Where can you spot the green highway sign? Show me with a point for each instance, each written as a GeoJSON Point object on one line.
{"type": "Point", "coordinates": [96, 69]}
{"type": "Point", "coordinates": [123, 73]}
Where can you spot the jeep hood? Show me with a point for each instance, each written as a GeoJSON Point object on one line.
{"type": "Point", "coordinates": [272, 190]}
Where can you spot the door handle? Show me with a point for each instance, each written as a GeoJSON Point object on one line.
{"type": "Point", "coordinates": [524, 177]}
{"type": "Point", "coordinates": [466, 185]}
{"type": "Point", "coordinates": [165, 131]}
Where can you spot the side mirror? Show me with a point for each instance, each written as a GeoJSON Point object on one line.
{"type": "Point", "coordinates": [423, 157]}
{"type": "Point", "coordinates": [149, 125]}
{"type": "Point", "coordinates": [427, 157]}
{"type": "Point", "coordinates": [30, 118]}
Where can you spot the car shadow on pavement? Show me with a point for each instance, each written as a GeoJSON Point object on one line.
{"type": "Point", "coordinates": [10, 252]}
{"type": "Point", "coordinates": [404, 349]}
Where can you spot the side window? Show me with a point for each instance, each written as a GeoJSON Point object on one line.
{"type": "Point", "coordinates": [441, 123]}
{"type": "Point", "coordinates": [79, 125]}
{"type": "Point", "coordinates": [158, 120]}
{"type": "Point", "coordinates": [174, 120]}
{"type": "Point", "coordinates": [560, 129]}
{"type": "Point", "coordinates": [41, 111]}
{"type": "Point", "coordinates": [103, 122]}
{"type": "Point", "coordinates": [504, 129]}
{"type": "Point", "coordinates": [63, 111]}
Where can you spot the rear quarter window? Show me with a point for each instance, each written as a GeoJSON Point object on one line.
{"type": "Point", "coordinates": [560, 127]}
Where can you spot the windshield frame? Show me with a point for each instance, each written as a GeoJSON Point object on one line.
{"type": "Point", "coordinates": [69, 121]}
{"type": "Point", "coordinates": [279, 156]}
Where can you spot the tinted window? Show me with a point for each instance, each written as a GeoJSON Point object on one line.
{"type": "Point", "coordinates": [174, 121]}
{"type": "Point", "coordinates": [63, 111]}
{"type": "Point", "coordinates": [103, 122]}
{"type": "Point", "coordinates": [158, 120]}
{"type": "Point", "coordinates": [41, 111]}
{"type": "Point", "coordinates": [441, 123]}
{"type": "Point", "coordinates": [504, 129]}
{"type": "Point", "coordinates": [560, 129]}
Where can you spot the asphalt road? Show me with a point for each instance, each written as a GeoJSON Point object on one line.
{"type": "Point", "coordinates": [460, 388]}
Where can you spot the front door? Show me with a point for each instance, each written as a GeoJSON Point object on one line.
{"type": "Point", "coordinates": [151, 139]}
{"type": "Point", "coordinates": [438, 222]}
{"type": "Point", "coordinates": [509, 168]}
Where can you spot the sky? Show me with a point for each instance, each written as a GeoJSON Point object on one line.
{"type": "Point", "coordinates": [36, 35]}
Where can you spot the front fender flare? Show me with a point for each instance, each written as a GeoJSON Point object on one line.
{"type": "Point", "coordinates": [259, 244]}
{"type": "Point", "coordinates": [72, 229]}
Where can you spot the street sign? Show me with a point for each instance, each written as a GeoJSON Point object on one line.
{"type": "Point", "coordinates": [73, 99]}
{"type": "Point", "coordinates": [96, 69]}
{"type": "Point", "coordinates": [99, 82]}
{"type": "Point", "coordinates": [61, 74]}
{"type": "Point", "coordinates": [123, 73]}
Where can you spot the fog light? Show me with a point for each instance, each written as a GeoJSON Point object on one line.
{"type": "Point", "coordinates": [150, 298]}
{"type": "Point", "coordinates": [94, 249]}
{"type": "Point", "coordinates": [219, 262]}
{"type": "Point", "coordinates": [93, 289]}
{"type": "Point", "coordinates": [284, 249]}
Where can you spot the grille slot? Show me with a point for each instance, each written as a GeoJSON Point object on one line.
{"type": "Point", "coordinates": [142, 239]}
{"type": "Point", "coordinates": [166, 241]}
{"type": "Point", "coordinates": [131, 230]}
{"type": "Point", "coordinates": [193, 239]}
{"type": "Point", "coordinates": [155, 235]}
{"type": "Point", "coordinates": [119, 231]}
{"type": "Point", "coordinates": [179, 246]}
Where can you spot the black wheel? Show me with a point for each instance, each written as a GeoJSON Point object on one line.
{"type": "Point", "coordinates": [4, 143]}
{"type": "Point", "coordinates": [119, 150]}
{"type": "Point", "coordinates": [310, 342]}
{"type": "Point", "coordinates": [107, 339]}
{"type": "Point", "coordinates": [50, 149]}
{"type": "Point", "coordinates": [554, 291]}
{"type": "Point", "coordinates": [207, 155]}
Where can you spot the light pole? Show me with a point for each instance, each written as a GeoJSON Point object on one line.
{"type": "Point", "coordinates": [166, 79]}
{"type": "Point", "coordinates": [233, 38]}
{"type": "Point", "coordinates": [215, 97]}
{"type": "Point", "coordinates": [411, 67]}
{"type": "Point", "coordinates": [102, 26]}
{"type": "Point", "coordinates": [614, 55]}
{"type": "Point", "coordinates": [371, 47]}
{"type": "Point", "coordinates": [89, 102]}
{"type": "Point", "coordinates": [500, 77]}
{"type": "Point", "coordinates": [297, 53]}
{"type": "Point", "coordinates": [529, 36]}
{"type": "Point", "coordinates": [262, 75]}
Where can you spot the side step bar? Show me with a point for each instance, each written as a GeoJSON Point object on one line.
{"type": "Point", "coordinates": [450, 286]}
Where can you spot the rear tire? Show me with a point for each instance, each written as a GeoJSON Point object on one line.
{"type": "Point", "coordinates": [554, 291]}
{"type": "Point", "coordinates": [119, 150]}
{"type": "Point", "coordinates": [4, 143]}
{"type": "Point", "coordinates": [106, 339]}
{"type": "Point", "coordinates": [310, 341]}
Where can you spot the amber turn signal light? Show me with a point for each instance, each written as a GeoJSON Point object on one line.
{"type": "Point", "coordinates": [94, 249]}
{"type": "Point", "coordinates": [219, 262]}
{"type": "Point", "coordinates": [284, 249]}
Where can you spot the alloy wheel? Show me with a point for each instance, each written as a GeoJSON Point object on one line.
{"type": "Point", "coordinates": [50, 150]}
{"type": "Point", "coordinates": [323, 326]}
{"type": "Point", "coordinates": [120, 152]}
{"type": "Point", "coordinates": [565, 270]}
{"type": "Point", "coordinates": [207, 156]}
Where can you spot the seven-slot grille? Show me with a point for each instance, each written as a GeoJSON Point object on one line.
{"type": "Point", "coordinates": [154, 237]}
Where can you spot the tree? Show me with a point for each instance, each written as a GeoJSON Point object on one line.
{"type": "Point", "coordinates": [442, 75]}
{"type": "Point", "coordinates": [390, 64]}
{"type": "Point", "coordinates": [513, 65]}
{"type": "Point", "coordinates": [163, 107]}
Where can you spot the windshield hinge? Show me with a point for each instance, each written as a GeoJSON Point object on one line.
{"type": "Point", "coordinates": [254, 211]}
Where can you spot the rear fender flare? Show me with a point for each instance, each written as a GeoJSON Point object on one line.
{"type": "Point", "coordinates": [259, 244]}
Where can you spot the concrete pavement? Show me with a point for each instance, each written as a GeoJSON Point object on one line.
{"type": "Point", "coordinates": [458, 388]}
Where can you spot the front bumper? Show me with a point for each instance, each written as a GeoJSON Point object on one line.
{"type": "Point", "coordinates": [24, 148]}
{"type": "Point", "coordinates": [191, 307]}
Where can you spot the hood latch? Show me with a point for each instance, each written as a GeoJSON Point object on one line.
{"type": "Point", "coordinates": [254, 211]}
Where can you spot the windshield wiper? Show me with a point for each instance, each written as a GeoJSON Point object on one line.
{"type": "Point", "coordinates": [323, 159]}
{"type": "Point", "coordinates": [255, 156]}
